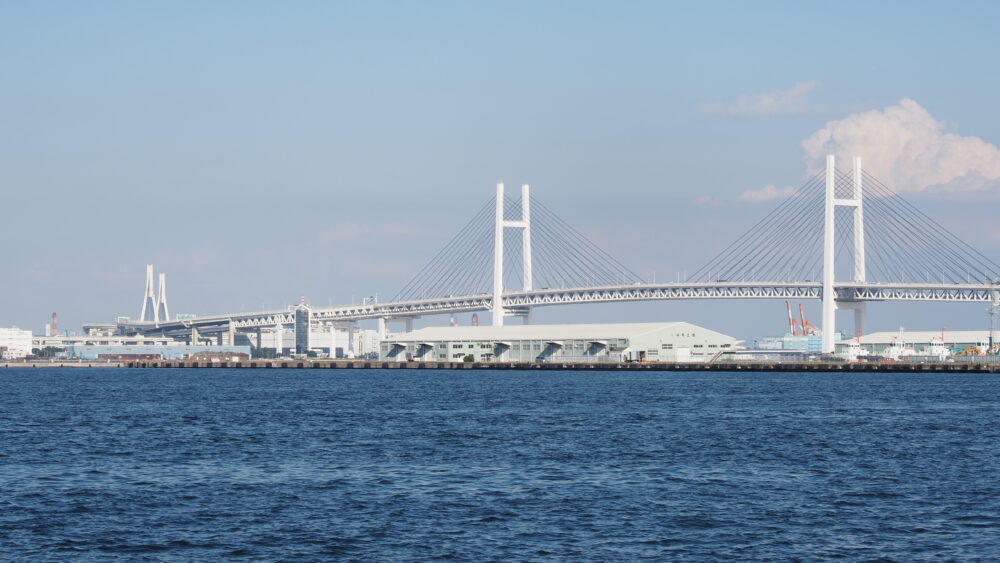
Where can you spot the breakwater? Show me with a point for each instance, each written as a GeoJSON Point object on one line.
{"type": "Point", "coordinates": [896, 367]}
{"type": "Point", "coordinates": [65, 364]}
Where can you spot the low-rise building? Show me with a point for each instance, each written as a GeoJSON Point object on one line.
{"type": "Point", "coordinates": [63, 342]}
{"type": "Point", "coordinates": [179, 352]}
{"type": "Point", "coordinates": [806, 343]}
{"type": "Point", "coordinates": [16, 343]}
{"type": "Point", "coordinates": [668, 342]}
{"type": "Point", "coordinates": [219, 357]}
{"type": "Point", "coordinates": [344, 343]}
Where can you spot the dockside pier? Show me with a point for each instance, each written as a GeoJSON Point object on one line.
{"type": "Point", "coordinates": [884, 367]}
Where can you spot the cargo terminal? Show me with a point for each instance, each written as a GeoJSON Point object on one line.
{"type": "Point", "coordinates": [667, 341]}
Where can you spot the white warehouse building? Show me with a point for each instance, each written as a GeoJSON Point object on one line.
{"type": "Point", "coordinates": [15, 343]}
{"type": "Point", "coordinates": [666, 342]}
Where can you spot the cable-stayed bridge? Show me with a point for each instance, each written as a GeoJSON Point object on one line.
{"type": "Point", "coordinates": [852, 241]}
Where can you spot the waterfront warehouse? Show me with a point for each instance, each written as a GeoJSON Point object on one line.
{"type": "Point", "coordinates": [668, 342]}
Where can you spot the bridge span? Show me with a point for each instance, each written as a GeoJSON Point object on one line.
{"type": "Point", "coordinates": [516, 303]}
{"type": "Point", "coordinates": [846, 223]}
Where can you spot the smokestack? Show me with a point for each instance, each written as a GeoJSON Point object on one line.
{"type": "Point", "coordinates": [54, 325]}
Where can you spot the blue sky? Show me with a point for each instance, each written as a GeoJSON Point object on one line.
{"type": "Point", "coordinates": [257, 151]}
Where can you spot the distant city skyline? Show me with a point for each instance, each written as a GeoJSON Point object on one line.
{"type": "Point", "coordinates": [258, 153]}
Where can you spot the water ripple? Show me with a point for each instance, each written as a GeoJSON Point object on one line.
{"type": "Point", "coordinates": [388, 465]}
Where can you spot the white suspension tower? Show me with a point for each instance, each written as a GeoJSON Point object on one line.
{"type": "Point", "coordinates": [524, 224]}
{"type": "Point", "coordinates": [162, 310]}
{"type": "Point", "coordinates": [150, 307]}
{"type": "Point", "coordinates": [829, 250]}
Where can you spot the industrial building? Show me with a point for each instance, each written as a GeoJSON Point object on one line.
{"type": "Point", "coordinates": [179, 352]}
{"type": "Point", "coordinates": [100, 346]}
{"type": "Point", "coordinates": [64, 341]}
{"type": "Point", "coordinates": [345, 342]}
{"type": "Point", "coordinates": [669, 342]}
{"type": "Point", "coordinates": [15, 343]}
{"type": "Point", "coordinates": [805, 343]}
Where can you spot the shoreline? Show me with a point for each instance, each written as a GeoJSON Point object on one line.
{"type": "Point", "coordinates": [793, 367]}
{"type": "Point", "coordinates": [83, 364]}
{"type": "Point", "coordinates": [897, 367]}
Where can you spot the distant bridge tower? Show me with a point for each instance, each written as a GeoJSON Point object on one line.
{"type": "Point", "coordinates": [149, 305]}
{"type": "Point", "coordinates": [525, 225]}
{"type": "Point", "coordinates": [856, 201]}
{"type": "Point", "coordinates": [162, 311]}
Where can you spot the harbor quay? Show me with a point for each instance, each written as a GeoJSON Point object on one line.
{"type": "Point", "coordinates": [60, 364]}
{"type": "Point", "coordinates": [742, 366]}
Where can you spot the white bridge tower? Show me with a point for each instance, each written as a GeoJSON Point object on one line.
{"type": "Point", "coordinates": [525, 225]}
{"type": "Point", "coordinates": [829, 250]}
{"type": "Point", "coordinates": [149, 306]}
{"type": "Point", "coordinates": [154, 303]}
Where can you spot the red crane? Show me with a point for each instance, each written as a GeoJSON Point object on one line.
{"type": "Point", "coordinates": [791, 320]}
{"type": "Point", "coordinates": [807, 327]}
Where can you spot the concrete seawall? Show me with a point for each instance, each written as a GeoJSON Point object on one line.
{"type": "Point", "coordinates": [30, 364]}
{"type": "Point", "coordinates": [900, 367]}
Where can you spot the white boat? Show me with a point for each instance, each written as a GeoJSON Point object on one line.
{"type": "Point", "coordinates": [937, 349]}
{"type": "Point", "coordinates": [851, 352]}
{"type": "Point", "coordinates": [898, 348]}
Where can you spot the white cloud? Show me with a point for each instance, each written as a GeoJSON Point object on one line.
{"type": "Point", "coordinates": [906, 148]}
{"type": "Point", "coordinates": [767, 193]}
{"type": "Point", "coordinates": [793, 100]}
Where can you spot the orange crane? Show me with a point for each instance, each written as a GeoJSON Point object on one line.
{"type": "Point", "coordinates": [799, 327]}
{"type": "Point", "coordinates": [807, 327]}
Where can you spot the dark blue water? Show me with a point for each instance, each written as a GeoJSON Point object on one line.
{"type": "Point", "coordinates": [392, 465]}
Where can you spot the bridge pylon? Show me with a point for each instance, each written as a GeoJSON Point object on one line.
{"type": "Point", "coordinates": [832, 202]}
{"type": "Point", "coordinates": [150, 307]}
{"type": "Point", "coordinates": [162, 310]}
{"type": "Point", "coordinates": [524, 223]}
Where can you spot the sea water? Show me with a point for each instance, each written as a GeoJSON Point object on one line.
{"type": "Point", "coordinates": [480, 465]}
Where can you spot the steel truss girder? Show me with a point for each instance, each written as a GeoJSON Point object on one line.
{"type": "Point", "coordinates": [845, 292]}
{"type": "Point", "coordinates": [263, 321]}
{"type": "Point", "coordinates": [965, 294]}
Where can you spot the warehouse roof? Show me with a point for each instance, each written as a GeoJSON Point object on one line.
{"type": "Point", "coordinates": [541, 332]}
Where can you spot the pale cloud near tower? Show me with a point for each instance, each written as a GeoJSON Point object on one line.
{"type": "Point", "coordinates": [781, 102]}
{"type": "Point", "coordinates": [908, 149]}
{"type": "Point", "coordinates": [767, 193]}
